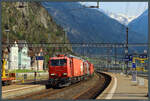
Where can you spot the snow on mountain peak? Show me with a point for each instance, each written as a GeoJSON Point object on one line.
{"type": "Point", "coordinates": [123, 19]}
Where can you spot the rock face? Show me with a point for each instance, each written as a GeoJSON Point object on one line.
{"type": "Point", "coordinates": [30, 22]}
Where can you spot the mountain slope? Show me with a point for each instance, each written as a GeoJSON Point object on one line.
{"type": "Point", "coordinates": [31, 23]}
{"type": "Point", "coordinates": [123, 19]}
{"type": "Point", "coordinates": [89, 25]}
{"type": "Point", "coordinates": [140, 24]}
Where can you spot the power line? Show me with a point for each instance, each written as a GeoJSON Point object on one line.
{"type": "Point", "coordinates": [103, 45]}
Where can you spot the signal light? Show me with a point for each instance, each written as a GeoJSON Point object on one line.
{"type": "Point", "coordinates": [64, 73]}
{"type": "Point", "coordinates": [52, 74]}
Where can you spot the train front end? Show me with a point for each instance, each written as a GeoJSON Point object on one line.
{"type": "Point", "coordinates": [59, 71]}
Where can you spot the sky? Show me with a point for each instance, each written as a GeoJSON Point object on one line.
{"type": "Point", "coordinates": [126, 8]}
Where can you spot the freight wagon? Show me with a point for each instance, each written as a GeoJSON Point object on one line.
{"type": "Point", "coordinates": [67, 69]}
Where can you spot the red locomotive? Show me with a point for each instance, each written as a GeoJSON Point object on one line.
{"type": "Point", "coordinates": [64, 70]}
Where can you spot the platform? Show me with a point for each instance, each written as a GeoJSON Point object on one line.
{"type": "Point", "coordinates": [122, 87]}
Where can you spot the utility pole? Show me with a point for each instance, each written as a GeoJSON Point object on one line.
{"type": "Point", "coordinates": [37, 69]}
{"type": "Point", "coordinates": [64, 37]}
{"type": "Point", "coordinates": [148, 52]}
{"type": "Point", "coordinates": [126, 50]}
{"type": "Point", "coordinates": [63, 48]}
{"type": "Point", "coordinates": [115, 54]}
{"type": "Point", "coordinates": [107, 55]}
{"type": "Point", "coordinates": [115, 57]}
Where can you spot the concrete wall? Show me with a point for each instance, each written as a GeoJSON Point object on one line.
{"type": "Point", "coordinates": [31, 75]}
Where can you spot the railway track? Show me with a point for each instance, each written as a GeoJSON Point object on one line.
{"type": "Point", "coordinates": [80, 90]}
{"type": "Point", "coordinates": [94, 91]}
{"type": "Point", "coordinates": [28, 82]}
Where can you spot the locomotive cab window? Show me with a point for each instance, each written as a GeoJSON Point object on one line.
{"type": "Point", "coordinates": [59, 62]}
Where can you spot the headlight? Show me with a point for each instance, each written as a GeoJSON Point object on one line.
{"type": "Point", "coordinates": [64, 73]}
{"type": "Point", "coordinates": [52, 74]}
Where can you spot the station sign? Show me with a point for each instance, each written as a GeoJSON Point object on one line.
{"type": "Point", "coordinates": [133, 65]}
{"type": "Point", "coordinates": [39, 58]}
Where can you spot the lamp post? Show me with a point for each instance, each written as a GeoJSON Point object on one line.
{"type": "Point", "coordinates": [126, 62]}
{"type": "Point", "coordinates": [65, 33]}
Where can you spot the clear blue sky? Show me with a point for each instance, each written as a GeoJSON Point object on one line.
{"type": "Point", "coordinates": [127, 8]}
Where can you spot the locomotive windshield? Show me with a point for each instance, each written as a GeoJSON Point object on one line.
{"type": "Point", "coordinates": [59, 62]}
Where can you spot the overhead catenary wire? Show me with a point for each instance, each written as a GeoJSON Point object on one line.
{"type": "Point", "coordinates": [84, 6]}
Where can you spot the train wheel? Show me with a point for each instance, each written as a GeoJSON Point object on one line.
{"type": "Point", "coordinates": [48, 86]}
{"type": "Point", "coordinates": [5, 83]}
{"type": "Point", "coordinates": [78, 79]}
{"type": "Point", "coordinates": [85, 78]}
{"type": "Point", "coordinates": [72, 81]}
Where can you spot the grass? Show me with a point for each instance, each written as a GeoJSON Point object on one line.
{"type": "Point", "coordinates": [25, 71]}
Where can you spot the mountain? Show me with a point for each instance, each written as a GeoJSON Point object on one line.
{"type": "Point", "coordinates": [28, 24]}
{"type": "Point", "coordinates": [33, 24]}
{"type": "Point", "coordinates": [123, 19]}
{"type": "Point", "coordinates": [88, 25]}
{"type": "Point", "coordinates": [140, 25]}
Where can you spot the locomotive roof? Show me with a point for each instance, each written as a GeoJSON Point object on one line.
{"type": "Point", "coordinates": [68, 55]}
{"type": "Point", "coordinates": [72, 56]}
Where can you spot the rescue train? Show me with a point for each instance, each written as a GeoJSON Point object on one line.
{"type": "Point", "coordinates": [67, 69]}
